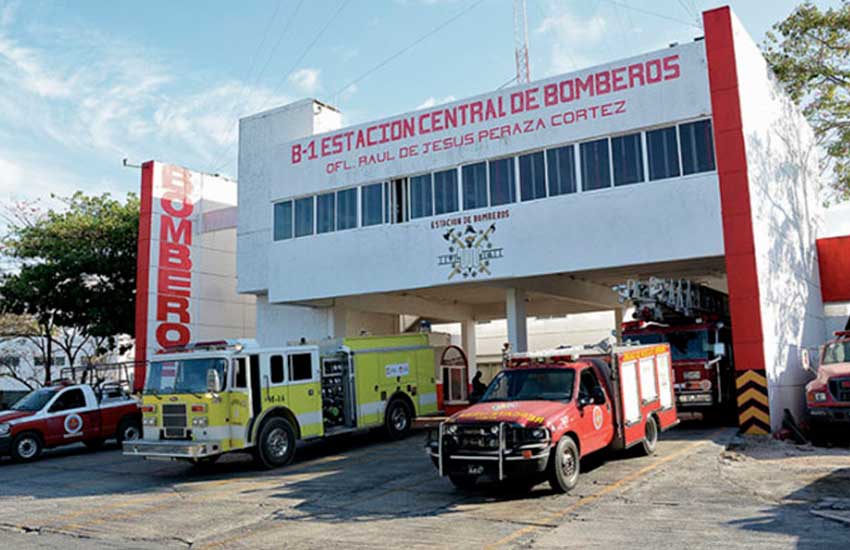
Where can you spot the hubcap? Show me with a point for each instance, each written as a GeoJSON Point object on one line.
{"type": "Point", "coordinates": [27, 448]}
{"type": "Point", "coordinates": [278, 444]}
{"type": "Point", "coordinates": [131, 433]}
{"type": "Point", "coordinates": [399, 419]}
{"type": "Point", "coordinates": [568, 464]}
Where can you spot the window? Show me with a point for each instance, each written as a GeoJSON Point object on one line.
{"type": "Point", "coordinates": [502, 182]}
{"type": "Point", "coordinates": [240, 375]}
{"type": "Point", "coordinates": [373, 210]}
{"type": "Point", "coordinates": [300, 367]}
{"type": "Point", "coordinates": [562, 170]}
{"type": "Point", "coordinates": [397, 201]}
{"type": "Point", "coordinates": [627, 154]}
{"type": "Point", "coordinates": [587, 384]}
{"type": "Point", "coordinates": [445, 191]}
{"type": "Point", "coordinates": [283, 220]}
{"type": "Point", "coordinates": [595, 171]}
{"type": "Point", "coordinates": [420, 196]}
{"type": "Point", "coordinates": [474, 186]}
{"type": "Point", "coordinates": [663, 152]}
{"type": "Point", "coordinates": [304, 217]}
{"type": "Point", "coordinates": [697, 147]}
{"type": "Point", "coordinates": [454, 383]}
{"type": "Point", "coordinates": [276, 368]}
{"type": "Point", "coordinates": [10, 361]}
{"type": "Point", "coordinates": [71, 399]}
{"type": "Point", "coordinates": [346, 209]}
{"type": "Point", "coordinates": [325, 211]}
{"type": "Point", "coordinates": [39, 360]}
{"type": "Point", "coordinates": [532, 176]}
{"type": "Point", "coordinates": [59, 361]}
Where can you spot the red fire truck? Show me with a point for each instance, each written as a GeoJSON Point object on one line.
{"type": "Point", "coordinates": [68, 413]}
{"type": "Point", "coordinates": [694, 320]}
{"type": "Point", "coordinates": [828, 395]}
{"type": "Point", "coordinates": [545, 411]}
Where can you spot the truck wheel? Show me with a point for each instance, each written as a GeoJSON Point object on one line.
{"type": "Point", "coordinates": [128, 430]}
{"type": "Point", "coordinates": [276, 443]}
{"type": "Point", "coordinates": [564, 465]}
{"type": "Point", "coordinates": [26, 447]}
{"type": "Point", "coordinates": [650, 438]}
{"type": "Point", "coordinates": [398, 419]}
{"type": "Point", "coordinates": [463, 482]}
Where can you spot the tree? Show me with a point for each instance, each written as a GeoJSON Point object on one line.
{"type": "Point", "coordinates": [810, 55]}
{"type": "Point", "coordinates": [76, 271]}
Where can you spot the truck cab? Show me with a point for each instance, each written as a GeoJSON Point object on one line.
{"type": "Point", "coordinates": [67, 413]}
{"type": "Point", "coordinates": [828, 395]}
{"type": "Point", "coordinates": [544, 412]}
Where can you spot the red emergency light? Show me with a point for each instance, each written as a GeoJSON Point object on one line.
{"type": "Point", "coordinates": [842, 333]}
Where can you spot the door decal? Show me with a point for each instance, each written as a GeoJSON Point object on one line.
{"type": "Point", "coordinates": [73, 424]}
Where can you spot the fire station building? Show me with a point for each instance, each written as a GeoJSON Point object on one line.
{"type": "Point", "coordinates": [533, 201]}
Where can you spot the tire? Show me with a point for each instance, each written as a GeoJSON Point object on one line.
{"type": "Point", "coordinates": [564, 465]}
{"type": "Point", "coordinates": [275, 444]}
{"type": "Point", "coordinates": [398, 419]}
{"type": "Point", "coordinates": [128, 430]}
{"type": "Point", "coordinates": [650, 439]}
{"type": "Point", "coordinates": [93, 444]}
{"type": "Point", "coordinates": [462, 482]}
{"type": "Point", "coordinates": [26, 447]}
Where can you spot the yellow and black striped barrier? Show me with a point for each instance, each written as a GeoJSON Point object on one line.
{"type": "Point", "coordinates": [753, 410]}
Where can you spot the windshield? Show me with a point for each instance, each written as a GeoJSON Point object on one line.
{"type": "Point", "coordinates": [186, 376]}
{"type": "Point", "coordinates": [531, 385]}
{"type": "Point", "coordinates": [684, 345]}
{"type": "Point", "coordinates": [836, 352]}
{"type": "Point", "coordinates": [34, 401]}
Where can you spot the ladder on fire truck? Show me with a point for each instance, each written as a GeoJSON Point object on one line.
{"type": "Point", "coordinates": [672, 300]}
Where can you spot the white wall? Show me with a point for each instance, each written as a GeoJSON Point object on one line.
{"type": "Point", "coordinates": [786, 216]}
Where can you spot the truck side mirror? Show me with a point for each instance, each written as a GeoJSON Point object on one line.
{"type": "Point", "coordinates": [806, 360]}
{"type": "Point", "coordinates": [213, 381]}
{"type": "Point", "coordinates": [719, 349]}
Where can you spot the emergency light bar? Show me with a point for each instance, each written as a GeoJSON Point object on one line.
{"type": "Point", "coordinates": [214, 345]}
{"type": "Point", "coordinates": [842, 333]}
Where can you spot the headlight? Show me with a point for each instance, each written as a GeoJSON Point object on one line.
{"type": "Point", "coordinates": [149, 421]}
{"type": "Point", "coordinates": [5, 429]}
{"type": "Point", "coordinates": [820, 396]}
{"type": "Point", "coordinates": [494, 429]}
{"type": "Point", "coordinates": [200, 421]}
{"type": "Point", "coordinates": [538, 433]}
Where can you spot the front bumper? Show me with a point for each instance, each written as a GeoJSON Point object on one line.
{"type": "Point", "coordinates": [172, 449]}
{"type": "Point", "coordinates": [838, 415]}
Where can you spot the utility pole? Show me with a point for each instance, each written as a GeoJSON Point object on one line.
{"type": "Point", "coordinates": [523, 70]}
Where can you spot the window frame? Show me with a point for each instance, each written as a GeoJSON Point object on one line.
{"type": "Point", "coordinates": [338, 192]}
{"type": "Point", "coordinates": [295, 201]}
{"type": "Point", "coordinates": [639, 135]}
{"type": "Point", "coordinates": [486, 204]}
{"type": "Point", "coordinates": [410, 195]}
{"type": "Point", "coordinates": [383, 216]}
{"type": "Point", "coordinates": [289, 366]}
{"type": "Point", "coordinates": [275, 205]}
{"type": "Point", "coordinates": [512, 186]}
{"type": "Point", "coordinates": [584, 180]}
{"type": "Point", "coordinates": [545, 175]}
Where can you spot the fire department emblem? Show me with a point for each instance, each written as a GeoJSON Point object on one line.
{"type": "Point", "coordinates": [597, 418]}
{"type": "Point", "coordinates": [73, 424]}
{"type": "Point", "coordinates": [470, 251]}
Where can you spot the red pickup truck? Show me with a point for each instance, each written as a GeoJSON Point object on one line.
{"type": "Point", "coordinates": [546, 411]}
{"type": "Point", "coordinates": [828, 395]}
{"type": "Point", "coordinates": [68, 413]}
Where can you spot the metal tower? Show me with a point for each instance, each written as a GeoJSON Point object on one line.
{"type": "Point", "coordinates": [523, 70]}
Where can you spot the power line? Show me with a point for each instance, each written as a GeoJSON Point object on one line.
{"type": "Point", "coordinates": [653, 13]}
{"type": "Point", "coordinates": [422, 38]}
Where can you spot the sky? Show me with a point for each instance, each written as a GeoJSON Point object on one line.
{"type": "Point", "coordinates": [85, 84]}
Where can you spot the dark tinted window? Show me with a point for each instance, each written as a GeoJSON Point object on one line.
{"type": "Point", "coordinates": [627, 157]}
{"type": "Point", "coordinates": [304, 217]}
{"type": "Point", "coordinates": [71, 399]}
{"type": "Point", "coordinates": [697, 147]}
{"type": "Point", "coordinates": [276, 368]}
{"type": "Point", "coordinates": [300, 367]}
{"type": "Point", "coordinates": [595, 170]}
{"type": "Point", "coordinates": [562, 170]}
{"type": "Point", "coordinates": [445, 192]}
{"type": "Point", "coordinates": [283, 220]}
{"type": "Point", "coordinates": [346, 209]}
{"type": "Point", "coordinates": [325, 211]}
{"type": "Point", "coordinates": [587, 383]}
{"type": "Point", "coordinates": [502, 182]}
{"type": "Point", "coordinates": [420, 196]}
{"type": "Point", "coordinates": [663, 152]}
{"type": "Point", "coordinates": [475, 186]}
{"type": "Point", "coordinates": [240, 375]}
{"type": "Point", "coordinates": [532, 176]}
{"type": "Point", "coordinates": [373, 211]}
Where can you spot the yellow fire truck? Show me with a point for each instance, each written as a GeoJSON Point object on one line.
{"type": "Point", "coordinates": [212, 398]}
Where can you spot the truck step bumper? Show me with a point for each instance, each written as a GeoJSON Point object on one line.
{"type": "Point", "coordinates": [171, 449]}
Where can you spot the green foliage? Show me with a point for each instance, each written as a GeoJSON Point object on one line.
{"type": "Point", "coordinates": [810, 55]}
{"type": "Point", "coordinates": [77, 266]}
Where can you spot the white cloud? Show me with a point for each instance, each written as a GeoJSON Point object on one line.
{"type": "Point", "coordinates": [573, 38]}
{"type": "Point", "coordinates": [305, 81]}
{"type": "Point", "coordinates": [433, 101]}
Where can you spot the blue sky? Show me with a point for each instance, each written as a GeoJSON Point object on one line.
{"type": "Point", "coordinates": [84, 84]}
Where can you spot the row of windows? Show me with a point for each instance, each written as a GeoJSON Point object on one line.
{"type": "Point", "coordinates": [608, 162]}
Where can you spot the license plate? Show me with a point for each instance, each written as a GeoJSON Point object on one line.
{"type": "Point", "coordinates": [474, 469]}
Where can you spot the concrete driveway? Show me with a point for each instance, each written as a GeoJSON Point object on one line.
{"type": "Point", "coordinates": [363, 492]}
